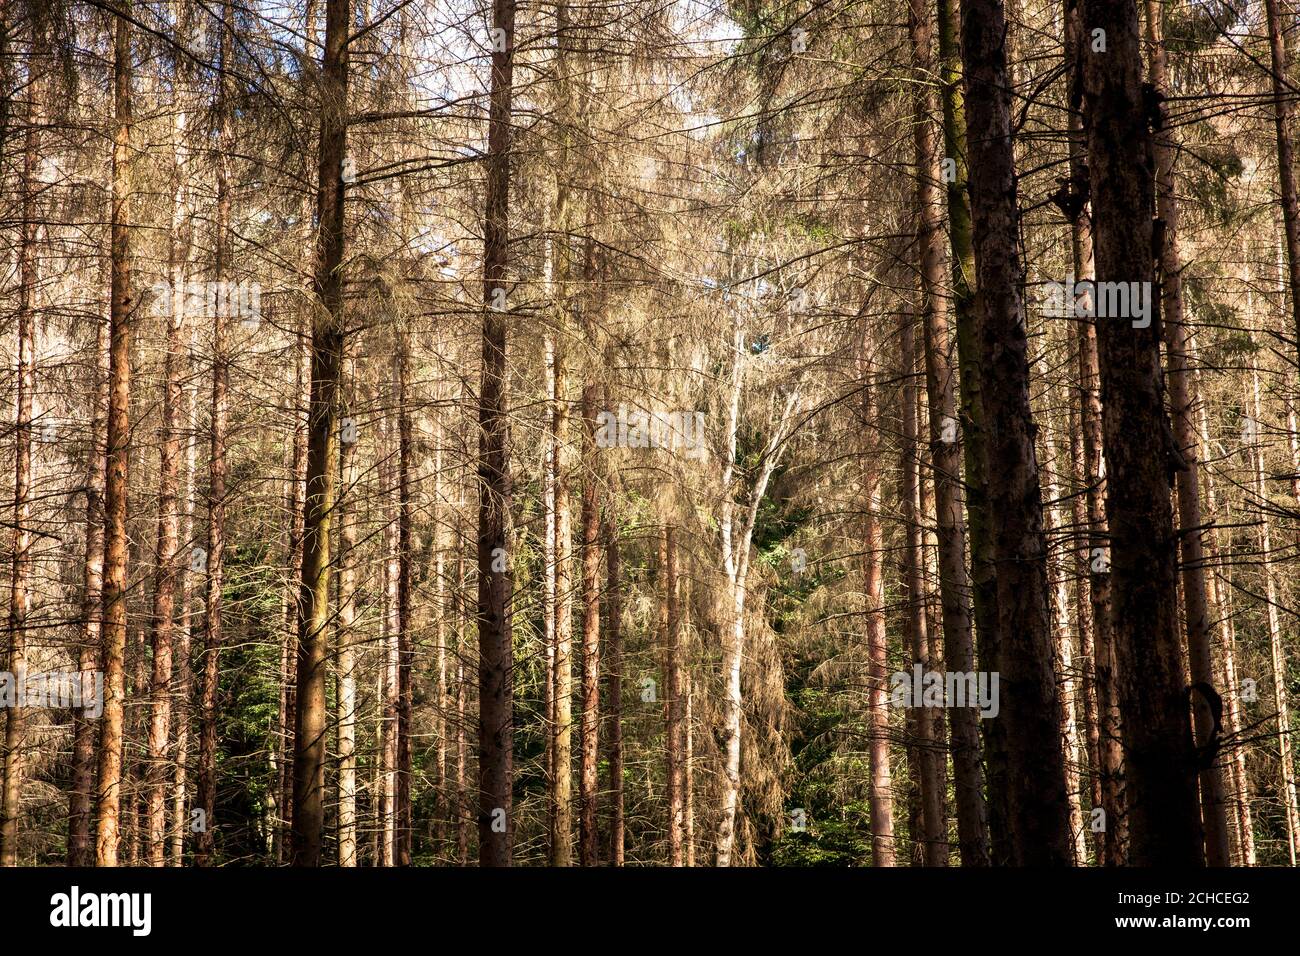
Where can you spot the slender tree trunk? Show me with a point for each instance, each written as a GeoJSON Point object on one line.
{"type": "Point", "coordinates": [347, 693]}
{"type": "Point", "coordinates": [326, 356]}
{"type": "Point", "coordinates": [873, 587]}
{"type": "Point", "coordinates": [496, 662]}
{"type": "Point", "coordinates": [562, 808]}
{"type": "Point", "coordinates": [1281, 691]}
{"type": "Point", "coordinates": [1183, 398]}
{"type": "Point", "coordinates": [983, 580]}
{"type": "Point", "coordinates": [1036, 804]}
{"type": "Point", "coordinates": [954, 585]}
{"type": "Point", "coordinates": [924, 751]}
{"type": "Point", "coordinates": [614, 689]}
{"type": "Point", "coordinates": [81, 849]}
{"type": "Point", "coordinates": [674, 738]}
{"type": "Point", "coordinates": [405, 651]}
{"type": "Point", "coordinates": [1283, 107]}
{"type": "Point", "coordinates": [1159, 761]}
{"type": "Point", "coordinates": [121, 314]}
{"type": "Point", "coordinates": [165, 579]}
{"type": "Point", "coordinates": [20, 598]}
{"type": "Point", "coordinates": [589, 780]}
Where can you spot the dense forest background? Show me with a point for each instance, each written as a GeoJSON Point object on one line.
{"type": "Point", "coordinates": [555, 433]}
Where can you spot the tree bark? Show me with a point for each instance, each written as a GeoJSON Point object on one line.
{"type": "Point", "coordinates": [326, 355]}
{"type": "Point", "coordinates": [496, 675]}
{"type": "Point", "coordinates": [121, 315]}
{"type": "Point", "coordinates": [1160, 766]}
{"type": "Point", "coordinates": [1037, 808]}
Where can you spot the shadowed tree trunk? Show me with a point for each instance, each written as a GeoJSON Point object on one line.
{"type": "Point", "coordinates": [1037, 810]}
{"type": "Point", "coordinates": [326, 358]}
{"type": "Point", "coordinates": [496, 661]}
{"type": "Point", "coordinates": [1160, 768]}
{"type": "Point", "coordinates": [589, 780]}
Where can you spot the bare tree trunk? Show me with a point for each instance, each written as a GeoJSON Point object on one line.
{"type": "Point", "coordinates": [614, 685]}
{"type": "Point", "coordinates": [1221, 601]}
{"type": "Point", "coordinates": [1283, 108]}
{"type": "Point", "coordinates": [983, 580]}
{"type": "Point", "coordinates": [20, 598]}
{"type": "Point", "coordinates": [589, 780]}
{"type": "Point", "coordinates": [326, 357]}
{"type": "Point", "coordinates": [347, 692]}
{"type": "Point", "coordinates": [165, 579]}
{"type": "Point", "coordinates": [873, 587]}
{"type": "Point", "coordinates": [81, 849]}
{"type": "Point", "coordinates": [122, 309]}
{"type": "Point", "coordinates": [924, 751]}
{"type": "Point", "coordinates": [1286, 783]}
{"type": "Point", "coordinates": [1183, 398]}
{"type": "Point", "coordinates": [1160, 765]}
{"type": "Point", "coordinates": [1037, 809]}
{"type": "Point", "coordinates": [954, 585]}
{"type": "Point", "coordinates": [674, 738]}
{"type": "Point", "coordinates": [562, 799]}
{"type": "Point", "coordinates": [496, 663]}
{"type": "Point", "coordinates": [405, 652]}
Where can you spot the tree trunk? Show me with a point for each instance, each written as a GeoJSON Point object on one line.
{"type": "Point", "coordinates": [614, 685]}
{"type": "Point", "coordinates": [589, 780]}
{"type": "Point", "coordinates": [347, 692]}
{"type": "Point", "coordinates": [954, 585]}
{"type": "Point", "coordinates": [121, 313]}
{"type": "Point", "coordinates": [496, 674]}
{"type": "Point", "coordinates": [923, 752]}
{"type": "Point", "coordinates": [983, 580]}
{"type": "Point", "coordinates": [20, 598]}
{"type": "Point", "coordinates": [1036, 807]}
{"type": "Point", "coordinates": [1159, 762]}
{"type": "Point", "coordinates": [326, 357]}
{"type": "Point", "coordinates": [675, 741]}
{"type": "Point", "coordinates": [1183, 399]}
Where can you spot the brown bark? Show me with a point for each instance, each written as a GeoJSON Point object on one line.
{"type": "Point", "coordinates": [347, 689]}
{"type": "Point", "coordinates": [954, 584]}
{"type": "Point", "coordinates": [589, 781]}
{"type": "Point", "coordinates": [326, 356]}
{"type": "Point", "coordinates": [121, 314]}
{"type": "Point", "coordinates": [1183, 399]}
{"type": "Point", "coordinates": [1160, 767]}
{"type": "Point", "coordinates": [923, 753]}
{"type": "Point", "coordinates": [1036, 806]}
{"type": "Point", "coordinates": [20, 598]}
{"type": "Point", "coordinates": [614, 690]}
{"type": "Point", "coordinates": [496, 675]}
{"type": "Point", "coordinates": [675, 741]}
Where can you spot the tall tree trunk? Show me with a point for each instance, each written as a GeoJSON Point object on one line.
{"type": "Point", "coordinates": [1183, 399]}
{"type": "Point", "coordinates": [1277, 655]}
{"type": "Point", "coordinates": [924, 750]}
{"type": "Point", "coordinates": [881, 792]}
{"type": "Point", "coordinates": [983, 580]}
{"type": "Point", "coordinates": [1037, 808]}
{"type": "Point", "coordinates": [121, 314]}
{"type": "Point", "coordinates": [496, 662]}
{"type": "Point", "coordinates": [326, 357]}
{"type": "Point", "coordinates": [954, 585]}
{"type": "Point", "coordinates": [1283, 108]}
{"type": "Point", "coordinates": [347, 677]}
{"type": "Point", "coordinates": [1160, 766]}
{"type": "Point", "coordinates": [81, 849]}
{"type": "Point", "coordinates": [589, 780]}
{"type": "Point", "coordinates": [405, 651]}
{"type": "Point", "coordinates": [166, 571]}
{"type": "Point", "coordinates": [562, 799]}
{"type": "Point", "coordinates": [614, 689]}
{"type": "Point", "coordinates": [20, 598]}
{"type": "Point", "coordinates": [675, 742]}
